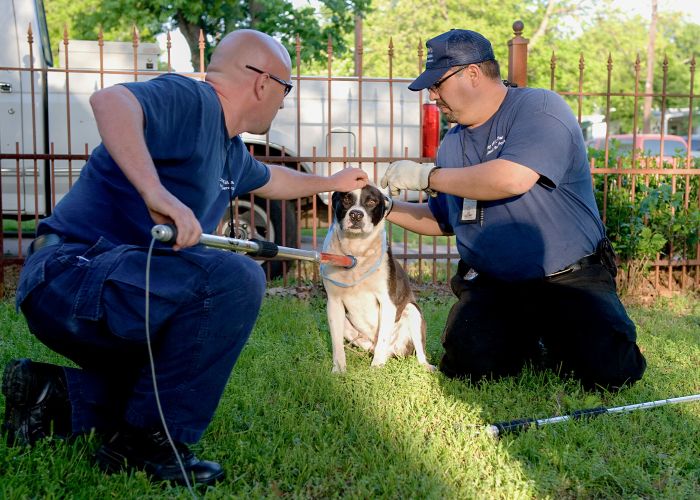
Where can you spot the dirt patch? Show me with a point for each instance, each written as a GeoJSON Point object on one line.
{"type": "Point", "coordinates": [10, 275]}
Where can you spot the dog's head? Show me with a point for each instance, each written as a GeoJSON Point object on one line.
{"type": "Point", "coordinates": [361, 211]}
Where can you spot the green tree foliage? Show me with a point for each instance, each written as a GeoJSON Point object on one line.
{"type": "Point", "coordinates": [215, 18]}
{"type": "Point", "coordinates": [613, 39]}
{"type": "Point", "coordinates": [409, 23]}
{"type": "Point", "coordinates": [581, 40]}
{"type": "Point", "coordinates": [66, 15]}
{"type": "Point", "coordinates": [582, 36]}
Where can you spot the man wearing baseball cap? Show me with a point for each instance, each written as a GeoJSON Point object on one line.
{"type": "Point", "coordinates": [511, 181]}
{"type": "Point", "coordinates": [456, 48]}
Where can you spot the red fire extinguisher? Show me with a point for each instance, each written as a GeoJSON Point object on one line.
{"type": "Point", "coordinates": [431, 129]}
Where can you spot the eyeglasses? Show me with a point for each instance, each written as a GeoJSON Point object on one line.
{"type": "Point", "coordinates": [436, 86]}
{"type": "Point", "coordinates": [288, 86]}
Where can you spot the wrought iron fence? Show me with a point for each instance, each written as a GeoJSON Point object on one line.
{"type": "Point", "coordinates": [332, 122]}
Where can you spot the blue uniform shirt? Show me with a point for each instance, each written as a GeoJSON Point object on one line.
{"type": "Point", "coordinates": [539, 232]}
{"type": "Point", "coordinates": [196, 161]}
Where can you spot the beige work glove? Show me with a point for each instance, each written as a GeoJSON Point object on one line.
{"type": "Point", "coordinates": [407, 174]}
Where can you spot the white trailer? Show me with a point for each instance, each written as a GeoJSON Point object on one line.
{"type": "Point", "coordinates": [326, 123]}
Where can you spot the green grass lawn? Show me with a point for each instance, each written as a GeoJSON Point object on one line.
{"type": "Point", "coordinates": [10, 225]}
{"type": "Point", "coordinates": [286, 426]}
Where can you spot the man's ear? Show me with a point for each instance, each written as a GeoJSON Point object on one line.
{"type": "Point", "coordinates": [260, 86]}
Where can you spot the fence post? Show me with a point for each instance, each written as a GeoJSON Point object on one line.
{"type": "Point", "coordinates": [517, 56]}
{"type": "Point", "coordinates": [358, 45]}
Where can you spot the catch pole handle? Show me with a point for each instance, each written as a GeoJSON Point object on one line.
{"type": "Point", "coordinates": [500, 428]}
{"type": "Point", "coordinates": [166, 233]}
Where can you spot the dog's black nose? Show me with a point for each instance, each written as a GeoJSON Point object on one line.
{"type": "Point", "coordinates": [356, 215]}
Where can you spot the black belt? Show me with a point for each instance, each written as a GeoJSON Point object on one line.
{"type": "Point", "coordinates": [588, 260]}
{"type": "Point", "coordinates": [43, 241]}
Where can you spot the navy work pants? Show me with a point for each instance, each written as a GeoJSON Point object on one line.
{"type": "Point", "coordinates": [573, 323]}
{"type": "Point", "coordinates": [88, 304]}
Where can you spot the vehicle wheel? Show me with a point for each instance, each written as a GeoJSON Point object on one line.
{"type": "Point", "coordinates": [264, 227]}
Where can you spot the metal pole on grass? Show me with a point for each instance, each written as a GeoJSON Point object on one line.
{"type": "Point", "coordinates": [514, 426]}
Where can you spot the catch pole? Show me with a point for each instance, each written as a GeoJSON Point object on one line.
{"type": "Point", "coordinates": [514, 426]}
{"type": "Point", "coordinates": [167, 233]}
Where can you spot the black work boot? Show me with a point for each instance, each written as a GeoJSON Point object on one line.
{"type": "Point", "coordinates": [150, 451]}
{"type": "Point", "coordinates": [36, 402]}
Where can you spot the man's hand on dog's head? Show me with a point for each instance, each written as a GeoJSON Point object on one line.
{"type": "Point", "coordinates": [349, 179]}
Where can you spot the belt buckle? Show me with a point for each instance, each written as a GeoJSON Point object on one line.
{"type": "Point", "coordinates": [559, 273]}
{"type": "Point", "coordinates": [471, 274]}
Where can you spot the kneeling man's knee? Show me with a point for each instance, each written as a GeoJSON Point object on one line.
{"type": "Point", "coordinates": [629, 368]}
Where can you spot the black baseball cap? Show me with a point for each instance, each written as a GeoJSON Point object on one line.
{"type": "Point", "coordinates": [453, 48]}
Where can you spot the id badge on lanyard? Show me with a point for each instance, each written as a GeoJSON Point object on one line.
{"type": "Point", "coordinates": [472, 212]}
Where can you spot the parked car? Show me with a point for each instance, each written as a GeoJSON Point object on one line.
{"type": "Point", "coordinates": [645, 144]}
{"type": "Point", "coordinates": [695, 146]}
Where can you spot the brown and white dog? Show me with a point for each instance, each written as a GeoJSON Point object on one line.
{"type": "Point", "coordinates": [371, 305]}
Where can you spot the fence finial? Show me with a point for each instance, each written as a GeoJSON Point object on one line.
{"type": "Point", "coordinates": [552, 70]}
{"type": "Point", "coordinates": [518, 27]}
{"type": "Point", "coordinates": [201, 46]}
{"type": "Point", "coordinates": [517, 56]}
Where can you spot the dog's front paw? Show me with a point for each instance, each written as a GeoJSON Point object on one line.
{"type": "Point", "coordinates": [429, 367]}
{"type": "Point", "coordinates": [338, 367]}
{"type": "Point", "coordinates": [377, 363]}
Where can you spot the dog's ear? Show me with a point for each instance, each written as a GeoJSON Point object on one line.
{"type": "Point", "coordinates": [335, 202]}
{"type": "Point", "coordinates": [335, 199]}
{"type": "Point", "coordinates": [388, 202]}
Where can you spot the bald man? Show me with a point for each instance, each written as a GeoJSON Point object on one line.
{"type": "Point", "coordinates": [170, 153]}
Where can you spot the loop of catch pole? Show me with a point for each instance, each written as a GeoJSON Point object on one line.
{"type": "Point", "coordinates": [367, 274]}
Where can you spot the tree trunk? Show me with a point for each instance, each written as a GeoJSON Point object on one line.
{"type": "Point", "coordinates": [649, 85]}
{"type": "Point", "coordinates": [542, 29]}
{"type": "Point", "coordinates": [191, 33]}
{"type": "Point", "coordinates": [255, 10]}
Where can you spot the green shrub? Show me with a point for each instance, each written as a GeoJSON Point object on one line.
{"type": "Point", "coordinates": [646, 215]}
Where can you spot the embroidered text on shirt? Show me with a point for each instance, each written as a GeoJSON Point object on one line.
{"type": "Point", "coordinates": [497, 143]}
{"type": "Point", "coordinates": [227, 185]}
